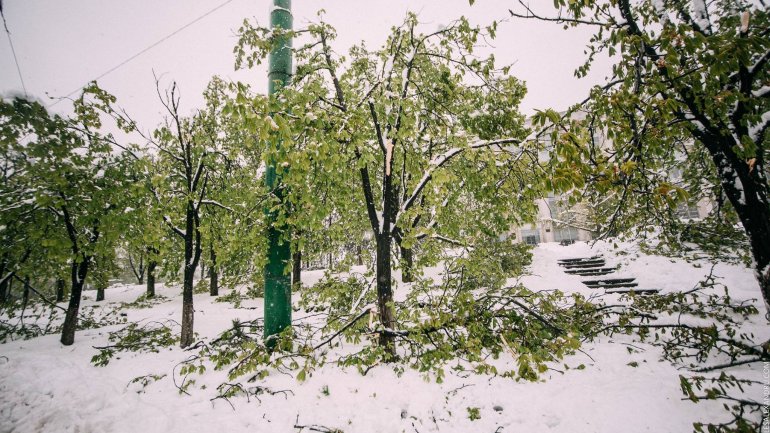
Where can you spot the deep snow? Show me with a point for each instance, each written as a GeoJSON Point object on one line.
{"type": "Point", "coordinates": [46, 387]}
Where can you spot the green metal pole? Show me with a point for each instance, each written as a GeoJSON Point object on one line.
{"type": "Point", "coordinates": [277, 280]}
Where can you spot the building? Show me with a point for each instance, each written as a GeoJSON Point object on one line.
{"type": "Point", "coordinates": [559, 221]}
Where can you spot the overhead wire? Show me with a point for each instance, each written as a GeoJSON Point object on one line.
{"type": "Point", "coordinates": [13, 50]}
{"type": "Point", "coordinates": [148, 48]}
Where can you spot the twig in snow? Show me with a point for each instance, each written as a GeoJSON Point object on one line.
{"type": "Point", "coordinates": [454, 391]}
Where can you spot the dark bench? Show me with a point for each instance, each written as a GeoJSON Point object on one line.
{"type": "Point", "coordinates": [611, 283]}
{"type": "Point", "coordinates": [636, 291]}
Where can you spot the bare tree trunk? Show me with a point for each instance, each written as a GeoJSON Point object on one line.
{"type": "Point", "coordinates": [25, 296]}
{"type": "Point", "coordinates": [385, 295]}
{"type": "Point", "coordinates": [3, 282]}
{"type": "Point", "coordinates": [100, 293]}
{"type": "Point", "coordinates": [748, 192]}
{"type": "Point", "coordinates": [384, 267]}
{"type": "Point", "coordinates": [187, 307]}
{"type": "Point", "coordinates": [78, 276]}
{"type": "Point", "coordinates": [296, 270]}
{"type": "Point", "coordinates": [5, 291]}
{"type": "Point", "coordinates": [151, 278]}
{"type": "Point", "coordinates": [359, 255]}
{"type": "Point", "coordinates": [407, 264]}
{"type": "Point", "coordinates": [192, 252]}
{"type": "Point", "coordinates": [152, 263]}
{"type": "Point", "coordinates": [213, 274]}
{"type": "Point", "coordinates": [60, 289]}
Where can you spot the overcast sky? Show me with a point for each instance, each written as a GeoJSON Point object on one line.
{"type": "Point", "coordinates": [63, 44]}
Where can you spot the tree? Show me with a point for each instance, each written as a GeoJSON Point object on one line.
{"type": "Point", "coordinates": [180, 184]}
{"type": "Point", "coordinates": [70, 180]}
{"type": "Point", "coordinates": [688, 75]}
{"type": "Point", "coordinates": [234, 232]}
{"type": "Point", "coordinates": [145, 239]}
{"type": "Point", "coordinates": [188, 157]}
{"type": "Point", "coordinates": [403, 133]}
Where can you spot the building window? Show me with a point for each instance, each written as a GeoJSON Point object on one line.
{"type": "Point", "coordinates": [687, 211]}
{"type": "Point", "coordinates": [565, 234]}
{"type": "Point", "coordinates": [530, 236]}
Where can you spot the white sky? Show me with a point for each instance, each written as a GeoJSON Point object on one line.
{"type": "Point", "coordinates": [62, 45]}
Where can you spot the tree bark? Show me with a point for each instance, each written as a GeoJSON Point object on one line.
{"type": "Point", "coordinates": [151, 278]}
{"type": "Point", "coordinates": [407, 264]}
{"type": "Point", "coordinates": [5, 289]}
{"type": "Point", "coordinates": [748, 194]}
{"type": "Point", "coordinates": [60, 289]}
{"type": "Point", "coordinates": [296, 270]}
{"type": "Point", "coordinates": [744, 184]}
{"type": "Point", "coordinates": [387, 339]}
{"type": "Point", "coordinates": [747, 190]}
{"type": "Point", "coordinates": [25, 296]}
{"type": "Point", "coordinates": [213, 274]}
{"type": "Point", "coordinates": [3, 283]}
{"type": "Point", "coordinates": [192, 253]}
{"type": "Point", "coordinates": [385, 295]}
{"type": "Point", "coordinates": [187, 307]}
{"type": "Point", "coordinates": [79, 271]}
{"type": "Point", "coordinates": [99, 294]}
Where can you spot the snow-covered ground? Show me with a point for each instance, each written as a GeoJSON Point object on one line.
{"type": "Point", "coordinates": [46, 387]}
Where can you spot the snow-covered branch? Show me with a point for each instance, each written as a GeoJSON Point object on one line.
{"type": "Point", "coordinates": [175, 229]}
{"type": "Point", "coordinates": [217, 204]}
{"type": "Point", "coordinates": [198, 171]}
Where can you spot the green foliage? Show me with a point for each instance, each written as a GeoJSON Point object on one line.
{"type": "Point", "coordinates": [460, 320]}
{"type": "Point", "coordinates": [694, 239]}
{"type": "Point", "coordinates": [63, 190]}
{"type": "Point", "coordinates": [234, 297]}
{"type": "Point", "coordinates": [428, 94]}
{"type": "Point", "coordinates": [202, 286]}
{"type": "Point", "coordinates": [718, 331]}
{"type": "Point", "coordinates": [95, 316]}
{"type": "Point", "coordinates": [149, 337]}
{"type": "Point", "coordinates": [491, 262]}
{"type": "Point", "coordinates": [146, 380]}
{"type": "Point", "coordinates": [721, 388]}
{"type": "Point", "coordinates": [474, 413]}
{"type": "Point", "coordinates": [683, 116]}
{"type": "Point", "coordinates": [17, 322]}
{"type": "Point", "coordinates": [339, 298]}
{"type": "Point", "coordinates": [440, 325]}
{"type": "Point", "coordinates": [144, 301]}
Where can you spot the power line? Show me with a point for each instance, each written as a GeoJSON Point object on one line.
{"type": "Point", "coordinates": [170, 35]}
{"type": "Point", "coordinates": [13, 50]}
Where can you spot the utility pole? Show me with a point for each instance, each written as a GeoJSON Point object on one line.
{"type": "Point", "coordinates": [277, 280]}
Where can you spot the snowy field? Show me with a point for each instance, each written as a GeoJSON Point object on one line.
{"type": "Point", "coordinates": [46, 387]}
